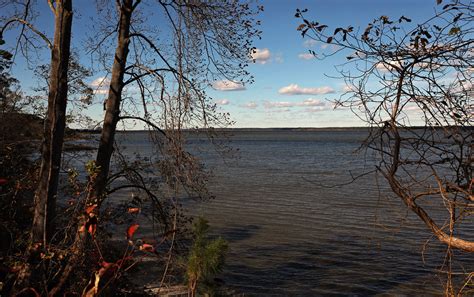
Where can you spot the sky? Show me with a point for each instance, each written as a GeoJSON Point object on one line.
{"type": "Point", "coordinates": [291, 88]}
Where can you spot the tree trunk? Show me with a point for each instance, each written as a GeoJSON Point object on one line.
{"type": "Point", "coordinates": [51, 148]}
{"type": "Point", "coordinates": [96, 193]}
{"type": "Point", "coordinates": [112, 113]}
{"type": "Point", "coordinates": [54, 126]}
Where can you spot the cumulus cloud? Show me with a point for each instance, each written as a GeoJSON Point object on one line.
{"type": "Point", "coordinates": [294, 89]}
{"type": "Point", "coordinates": [227, 85]}
{"type": "Point", "coordinates": [100, 85]}
{"type": "Point", "coordinates": [306, 56]}
{"type": "Point", "coordinates": [313, 102]}
{"type": "Point", "coordinates": [222, 102]}
{"type": "Point", "coordinates": [261, 56]}
{"type": "Point", "coordinates": [250, 105]}
{"type": "Point", "coordinates": [386, 66]}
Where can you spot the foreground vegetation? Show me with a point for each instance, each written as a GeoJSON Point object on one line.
{"type": "Point", "coordinates": [59, 243]}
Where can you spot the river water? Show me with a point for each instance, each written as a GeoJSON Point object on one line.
{"type": "Point", "coordinates": [294, 230]}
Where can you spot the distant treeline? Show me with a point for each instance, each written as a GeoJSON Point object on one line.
{"type": "Point", "coordinates": [97, 131]}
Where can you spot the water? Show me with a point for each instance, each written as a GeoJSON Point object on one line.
{"type": "Point", "coordinates": [291, 236]}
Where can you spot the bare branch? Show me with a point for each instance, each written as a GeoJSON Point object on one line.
{"type": "Point", "coordinates": [32, 28]}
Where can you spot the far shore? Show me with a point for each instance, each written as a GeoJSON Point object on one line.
{"type": "Point", "coordinates": [309, 129]}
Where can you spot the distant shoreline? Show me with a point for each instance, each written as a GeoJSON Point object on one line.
{"type": "Point", "coordinates": [309, 129]}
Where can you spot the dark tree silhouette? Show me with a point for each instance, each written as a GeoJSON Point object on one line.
{"type": "Point", "coordinates": [398, 76]}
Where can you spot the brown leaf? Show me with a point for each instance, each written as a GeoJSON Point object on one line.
{"type": "Point", "coordinates": [28, 292]}
{"type": "Point", "coordinates": [133, 210]}
{"type": "Point", "coordinates": [147, 248]}
{"type": "Point", "coordinates": [90, 208]}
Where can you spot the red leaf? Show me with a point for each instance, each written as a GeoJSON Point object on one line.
{"type": "Point", "coordinates": [124, 260]}
{"type": "Point", "coordinates": [92, 229]}
{"type": "Point", "coordinates": [131, 230]}
{"type": "Point", "coordinates": [106, 266]}
{"type": "Point", "coordinates": [91, 225]}
{"type": "Point", "coordinates": [3, 181]}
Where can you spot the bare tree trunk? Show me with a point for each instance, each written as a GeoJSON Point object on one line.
{"type": "Point", "coordinates": [112, 112]}
{"type": "Point", "coordinates": [54, 126]}
{"type": "Point", "coordinates": [104, 154]}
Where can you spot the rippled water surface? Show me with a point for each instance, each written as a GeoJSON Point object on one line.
{"type": "Point", "coordinates": [293, 235]}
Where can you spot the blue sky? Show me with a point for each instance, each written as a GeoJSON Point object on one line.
{"type": "Point", "coordinates": [291, 89]}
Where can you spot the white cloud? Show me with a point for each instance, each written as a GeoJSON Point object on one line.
{"type": "Point", "coordinates": [279, 58]}
{"type": "Point", "coordinates": [413, 108]}
{"type": "Point", "coordinates": [313, 102]}
{"type": "Point", "coordinates": [222, 102]}
{"type": "Point", "coordinates": [251, 105]}
{"type": "Point", "coordinates": [294, 89]}
{"type": "Point", "coordinates": [227, 85]}
{"type": "Point", "coordinates": [261, 56]}
{"type": "Point", "coordinates": [310, 43]}
{"type": "Point", "coordinates": [100, 85]}
{"type": "Point", "coordinates": [100, 82]}
{"type": "Point", "coordinates": [348, 88]}
{"type": "Point", "coordinates": [306, 56]}
{"type": "Point", "coordinates": [287, 104]}
{"type": "Point", "coordinates": [315, 109]}
{"type": "Point", "coordinates": [279, 110]}
{"type": "Point", "coordinates": [386, 66]}
{"type": "Point", "coordinates": [282, 104]}
{"type": "Point", "coordinates": [101, 91]}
